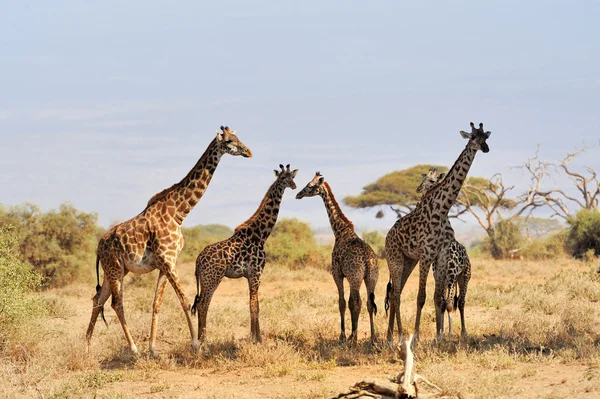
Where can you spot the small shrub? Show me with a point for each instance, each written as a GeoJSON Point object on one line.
{"type": "Point", "coordinates": [292, 243]}
{"type": "Point", "coordinates": [18, 282]}
{"type": "Point", "coordinates": [58, 244]}
{"type": "Point", "coordinates": [198, 237]}
{"type": "Point", "coordinates": [584, 233]}
{"type": "Point", "coordinates": [377, 242]}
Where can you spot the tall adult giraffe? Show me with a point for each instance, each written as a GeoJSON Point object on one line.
{"type": "Point", "coordinates": [418, 236]}
{"type": "Point", "coordinates": [153, 240]}
{"type": "Point", "coordinates": [351, 258]}
{"type": "Point", "coordinates": [241, 255]}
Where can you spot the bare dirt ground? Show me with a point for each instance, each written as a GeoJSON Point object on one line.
{"type": "Point", "coordinates": [533, 333]}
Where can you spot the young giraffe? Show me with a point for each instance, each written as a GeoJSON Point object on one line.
{"type": "Point", "coordinates": [351, 258]}
{"type": "Point", "coordinates": [452, 267]}
{"type": "Point", "coordinates": [241, 255]}
{"type": "Point", "coordinates": [418, 236]}
{"type": "Point", "coordinates": [153, 240]}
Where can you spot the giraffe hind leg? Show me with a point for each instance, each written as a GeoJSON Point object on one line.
{"type": "Point", "coordinates": [98, 306]}
{"type": "Point", "coordinates": [161, 284]}
{"type": "Point", "coordinates": [116, 287]}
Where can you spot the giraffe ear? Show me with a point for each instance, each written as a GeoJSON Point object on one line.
{"type": "Point", "coordinates": [465, 135]}
{"type": "Point", "coordinates": [219, 136]}
{"type": "Point", "coordinates": [321, 180]}
{"type": "Point", "coordinates": [276, 172]}
{"type": "Point", "coordinates": [487, 134]}
{"type": "Point", "coordinates": [441, 176]}
{"type": "Point", "coordinates": [294, 173]}
{"type": "Point", "coordinates": [423, 175]}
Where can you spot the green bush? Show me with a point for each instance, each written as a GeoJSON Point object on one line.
{"type": "Point", "coordinates": [18, 282]}
{"type": "Point", "coordinates": [198, 237]}
{"type": "Point", "coordinates": [59, 244]}
{"type": "Point", "coordinates": [377, 242]}
{"type": "Point", "coordinates": [506, 238]}
{"type": "Point", "coordinates": [584, 233]}
{"type": "Point", "coordinates": [292, 243]}
{"type": "Point", "coordinates": [545, 247]}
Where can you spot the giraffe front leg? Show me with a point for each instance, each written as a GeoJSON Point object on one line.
{"type": "Point", "coordinates": [161, 284]}
{"type": "Point", "coordinates": [171, 273]}
{"type": "Point", "coordinates": [253, 284]}
{"type": "Point", "coordinates": [339, 282]}
{"type": "Point", "coordinates": [422, 296]}
{"type": "Point", "coordinates": [462, 284]}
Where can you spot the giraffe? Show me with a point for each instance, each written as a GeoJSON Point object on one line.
{"type": "Point", "coordinates": [451, 267]}
{"type": "Point", "coordinates": [241, 255]}
{"type": "Point", "coordinates": [351, 258]}
{"type": "Point", "coordinates": [417, 237]}
{"type": "Point", "coordinates": [153, 240]}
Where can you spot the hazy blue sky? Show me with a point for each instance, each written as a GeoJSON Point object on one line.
{"type": "Point", "coordinates": [105, 103]}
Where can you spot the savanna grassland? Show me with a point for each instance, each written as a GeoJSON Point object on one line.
{"type": "Point", "coordinates": [534, 332]}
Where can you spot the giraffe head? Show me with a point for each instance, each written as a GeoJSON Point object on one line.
{"type": "Point", "coordinates": [313, 188]}
{"type": "Point", "coordinates": [229, 143]}
{"type": "Point", "coordinates": [477, 137]}
{"type": "Point", "coordinates": [286, 176]}
{"type": "Point", "coordinates": [429, 180]}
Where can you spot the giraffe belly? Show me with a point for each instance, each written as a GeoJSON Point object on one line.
{"type": "Point", "coordinates": [142, 264]}
{"type": "Point", "coordinates": [235, 271]}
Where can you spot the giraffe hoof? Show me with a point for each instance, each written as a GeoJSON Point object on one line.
{"type": "Point", "coordinates": [342, 338]}
{"type": "Point", "coordinates": [154, 354]}
{"type": "Point", "coordinates": [195, 346]}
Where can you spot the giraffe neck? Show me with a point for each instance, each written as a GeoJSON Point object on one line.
{"type": "Point", "coordinates": [339, 222]}
{"type": "Point", "coordinates": [265, 217]}
{"type": "Point", "coordinates": [183, 196]}
{"type": "Point", "coordinates": [446, 192]}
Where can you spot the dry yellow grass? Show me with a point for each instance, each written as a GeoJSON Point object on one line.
{"type": "Point", "coordinates": [534, 333]}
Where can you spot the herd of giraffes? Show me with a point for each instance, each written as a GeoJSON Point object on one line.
{"type": "Point", "coordinates": [153, 240]}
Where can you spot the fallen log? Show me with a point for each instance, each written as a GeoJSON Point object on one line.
{"type": "Point", "coordinates": [403, 387]}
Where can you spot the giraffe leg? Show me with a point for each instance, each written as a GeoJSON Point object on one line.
{"type": "Point", "coordinates": [203, 304]}
{"type": "Point", "coordinates": [463, 282]}
{"type": "Point", "coordinates": [355, 304]}
{"type": "Point", "coordinates": [116, 287]}
{"type": "Point", "coordinates": [161, 284]}
{"type": "Point", "coordinates": [253, 284]}
{"type": "Point", "coordinates": [408, 267]}
{"type": "Point", "coordinates": [438, 299]}
{"type": "Point", "coordinates": [339, 282]}
{"type": "Point", "coordinates": [371, 276]}
{"type": "Point", "coordinates": [422, 296]}
{"type": "Point", "coordinates": [393, 296]}
{"type": "Point", "coordinates": [98, 302]}
{"type": "Point", "coordinates": [173, 278]}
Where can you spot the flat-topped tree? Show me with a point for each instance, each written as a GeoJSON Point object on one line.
{"type": "Point", "coordinates": [241, 255]}
{"type": "Point", "coordinates": [153, 240]}
{"type": "Point", "coordinates": [418, 236]}
{"type": "Point", "coordinates": [351, 258]}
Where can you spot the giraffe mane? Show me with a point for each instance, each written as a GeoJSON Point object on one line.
{"type": "Point", "coordinates": [337, 206]}
{"type": "Point", "coordinates": [162, 194]}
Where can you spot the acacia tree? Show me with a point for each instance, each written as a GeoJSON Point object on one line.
{"type": "Point", "coordinates": [481, 197]}
{"type": "Point", "coordinates": [396, 190]}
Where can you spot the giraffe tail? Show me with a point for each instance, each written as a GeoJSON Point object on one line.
{"type": "Point", "coordinates": [388, 291]}
{"type": "Point", "coordinates": [451, 299]}
{"type": "Point", "coordinates": [99, 287]}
